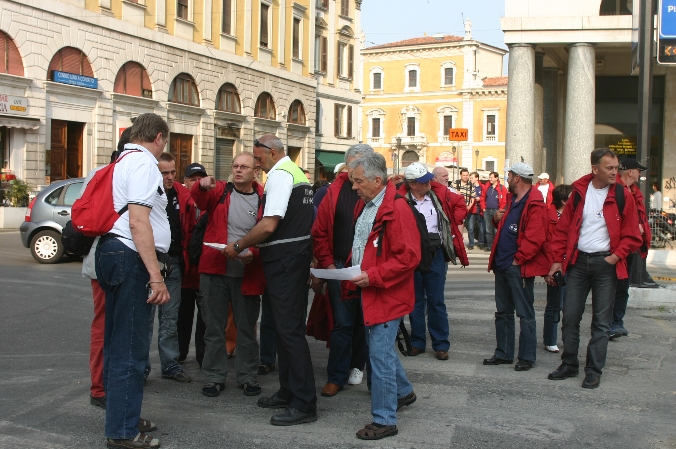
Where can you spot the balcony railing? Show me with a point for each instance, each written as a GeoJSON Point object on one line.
{"type": "Point", "coordinates": [418, 141]}
{"type": "Point", "coordinates": [490, 139]}
{"type": "Point", "coordinates": [375, 140]}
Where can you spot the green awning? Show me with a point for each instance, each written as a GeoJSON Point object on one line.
{"type": "Point", "coordinates": [329, 159]}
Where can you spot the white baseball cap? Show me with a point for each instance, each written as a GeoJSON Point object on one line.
{"type": "Point", "coordinates": [418, 173]}
{"type": "Point", "coordinates": [543, 176]}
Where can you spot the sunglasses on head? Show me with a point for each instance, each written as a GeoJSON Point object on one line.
{"type": "Point", "coordinates": [258, 144]}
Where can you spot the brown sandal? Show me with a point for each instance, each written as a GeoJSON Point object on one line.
{"type": "Point", "coordinates": [145, 426]}
{"type": "Point", "coordinates": [371, 432]}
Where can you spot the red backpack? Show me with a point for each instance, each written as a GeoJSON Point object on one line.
{"type": "Point", "coordinates": [94, 212]}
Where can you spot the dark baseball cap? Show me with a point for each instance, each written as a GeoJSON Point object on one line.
{"type": "Point", "coordinates": [195, 168]}
{"type": "Point", "coordinates": [631, 163]}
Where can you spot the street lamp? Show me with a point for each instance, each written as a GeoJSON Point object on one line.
{"type": "Point", "coordinates": [396, 159]}
{"type": "Point", "coordinates": [476, 167]}
{"type": "Point", "coordinates": [454, 149]}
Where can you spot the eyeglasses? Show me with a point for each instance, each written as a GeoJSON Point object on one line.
{"type": "Point", "coordinates": [241, 167]}
{"type": "Point", "coordinates": [258, 144]}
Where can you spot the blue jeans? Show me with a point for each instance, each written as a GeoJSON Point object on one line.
{"type": "Point", "coordinates": [490, 229]}
{"type": "Point", "coordinates": [348, 339]}
{"type": "Point", "coordinates": [474, 220]}
{"type": "Point", "coordinates": [512, 292]}
{"type": "Point", "coordinates": [268, 337]}
{"type": "Point", "coordinates": [388, 378]}
{"type": "Point", "coordinates": [553, 310]}
{"type": "Point", "coordinates": [590, 272]}
{"type": "Point", "coordinates": [429, 291]}
{"type": "Point", "coordinates": [123, 277]}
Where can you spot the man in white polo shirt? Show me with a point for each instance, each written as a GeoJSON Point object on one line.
{"type": "Point", "coordinates": [128, 270]}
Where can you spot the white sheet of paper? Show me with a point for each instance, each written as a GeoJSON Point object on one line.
{"type": "Point", "coordinates": [216, 245]}
{"type": "Point", "coordinates": [341, 274]}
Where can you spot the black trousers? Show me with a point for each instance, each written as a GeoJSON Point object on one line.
{"type": "Point", "coordinates": [287, 290]}
{"type": "Point", "coordinates": [186, 314]}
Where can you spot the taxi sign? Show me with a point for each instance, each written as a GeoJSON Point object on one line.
{"type": "Point", "coordinates": [460, 134]}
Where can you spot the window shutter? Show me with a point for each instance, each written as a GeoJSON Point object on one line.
{"type": "Point", "coordinates": [71, 60]}
{"type": "Point", "coordinates": [133, 79]}
{"type": "Point", "coordinates": [336, 120]}
{"type": "Point", "coordinates": [318, 116]}
{"type": "Point", "coordinates": [227, 16]}
{"type": "Point", "coordinates": [339, 60]}
{"type": "Point", "coordinates": [348, 132]}
{"type": "Point", "coordinates": [375, 128]}
{"type": "Point", "coordinates": [264, 25]}
{"type": "Point", "coordinates": [296, 38]}
{"type": "Point", "coordinates": [350, 61]}
{"type": "Point", "coordinates": [325, 57]}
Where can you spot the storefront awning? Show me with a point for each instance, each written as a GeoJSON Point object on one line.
{"type": "Point", "coordinates": [11, 121]}
{"type": "Point", "coordinates": [329, 159]}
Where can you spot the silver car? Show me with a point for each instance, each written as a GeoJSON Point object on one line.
{"type": "Point", "coordinates": [46, 217]}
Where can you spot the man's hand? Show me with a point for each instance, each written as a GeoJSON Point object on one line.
{"type": "Point", "coordinates": [498, 216]}
{"type": "Point", "coordinates": [207, 183]}
{"type": "Point", "coordinates": [612, 259]}
{"type": "Point", "coordinates": [160, 294]}
{"type": "Point", "coordinates": [362, 280]}
{"type": "Point", "coordinates": [317, 284]}
{"type": "Point", "coordinates": [550, 277]}
{"type": "Point", "coordinates": [229, 251]}
{"type": "Point", "coordinates": [246, 256]}
{"type": "Point", "coordinates": [461, 227]}
{"type": "Point", "coordinates": [640, 228]}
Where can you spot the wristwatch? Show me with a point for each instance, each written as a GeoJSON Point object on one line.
{"type": "Point", "coordinates": [237, 248]}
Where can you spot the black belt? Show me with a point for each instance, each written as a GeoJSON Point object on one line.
{"type": "Point", "coordinates": [164, 259]}
{"type": "Point", "coordinates": [597, 253]}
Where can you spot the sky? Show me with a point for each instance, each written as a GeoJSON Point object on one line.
{"type": "Point", "coordinates": [384, 21]}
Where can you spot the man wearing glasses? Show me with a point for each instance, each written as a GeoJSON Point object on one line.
{"type": "Point", "coordinates": [283, 236]}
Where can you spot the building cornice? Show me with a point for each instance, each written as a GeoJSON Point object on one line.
{"type": "Point", "coordinates": [130, 100]}
{"type": "Point", "coordinates": [65, 89]}
{"type": "Point", "coordinates": [429, 47]}
{"type": "Point", "coordinates": [185, 109]}
{"type": "Point", "coordinates": [15, 81]}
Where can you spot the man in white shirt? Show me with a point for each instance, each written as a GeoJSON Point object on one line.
{"type": "Point", "coordinates": [128, 271]}
{"type": "Point", "coordinates": [594, 236]}
{"type": "Point", "coordinates": [545, 187]}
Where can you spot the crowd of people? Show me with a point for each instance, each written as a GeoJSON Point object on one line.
{"type": "Point", "coordinates": [238, 250]}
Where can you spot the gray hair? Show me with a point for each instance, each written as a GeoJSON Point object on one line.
{"type": "Point", "coordinates": [273, 142]}
{"type": "Point", "coordinates": [600, 153]}
{"type": "Point", "coordinates": [374, 166]}
{"type": "Point", "coordinates": [358, 150]}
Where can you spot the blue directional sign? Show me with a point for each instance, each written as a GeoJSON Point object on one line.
{"type": "Point", "coordinates": [666, 38]}
{"type": "Point", "coordinates": [75, 80]}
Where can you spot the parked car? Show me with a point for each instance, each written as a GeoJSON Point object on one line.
{"type": "Point", "coordinates": [46, 217]}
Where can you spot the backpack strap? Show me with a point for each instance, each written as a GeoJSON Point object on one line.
{"type": "Point", "coordinates": [620, 199]}
{"type": "Point", "coordinates": [121, 156]}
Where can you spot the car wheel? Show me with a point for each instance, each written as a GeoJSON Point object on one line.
{"type": "Point", "coordinates": [46, 247]}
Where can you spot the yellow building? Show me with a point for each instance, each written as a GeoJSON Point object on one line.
{"type": "Point", "coordinates": [417, 89]}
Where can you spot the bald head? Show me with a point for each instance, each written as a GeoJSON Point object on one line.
{"type": "Point", "coordinates": [267, 150]}
{"type": "Point", "coordinates": [440, 175]}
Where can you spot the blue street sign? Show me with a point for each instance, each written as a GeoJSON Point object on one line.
{"type": "Point", "coordinates": [667, 19]}
{"type": "Point", "coordinates": [75, 80]}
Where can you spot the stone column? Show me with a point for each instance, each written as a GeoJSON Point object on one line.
{"type": "Point", "coordinates": [578, 141]}
{"type": "Point", "coordinates": [550, 118]}
{"type": "Point", "coordinates": [161, 15]}
{"type": "Point", "coordinates": [538, 157]}
{"type": "Point", "coordinates": [520, 138]}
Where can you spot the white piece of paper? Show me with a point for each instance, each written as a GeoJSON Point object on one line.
{"type": "Point", "coordinates": [216, 245]}
{"type": "Point", "coordinates": [340, 274]}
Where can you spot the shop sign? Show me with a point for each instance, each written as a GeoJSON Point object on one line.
{"type": "Point", "coordinates": [75, 80]}
{"type": "Point", "coordinates": [13, 105]}
{"type": "Point", "coordinates": [624, 146]}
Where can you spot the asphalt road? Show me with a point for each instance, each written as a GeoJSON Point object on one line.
{"type": "Point", "coordinates": [45, 314]}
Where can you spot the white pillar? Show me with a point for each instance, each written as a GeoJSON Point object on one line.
{"type": "Point", "coordinates": [578, 140]}
{"type": "Point", "coordinates": [520, 138]}
{"type": "Point", "coordinates": [538, 109]}
{"type": "Point", "coordinates": [550, 121]}
{"type": "Point", "coordinates": [206, 33]}
{"type": "Point", "coordinates": [247, 27]}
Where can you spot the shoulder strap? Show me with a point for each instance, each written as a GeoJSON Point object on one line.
{"type": "Point", "coordinates": [619, 198]}
{"type": "Point", "coordinates": [576, 200]}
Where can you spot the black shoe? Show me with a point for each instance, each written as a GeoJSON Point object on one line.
{"type": "Point", "coordinates": [591, 380]}
{"type": "Point", "coordinates": [487, 249]}
{"type": "Point", "coordinates": [264, 368]}
{"type": "Point", "coordinates": [470, 247]}
{"type": "Point", "coordinates": [251, 388]}
{"type": "Point", "coordinates": [99, 402]}
{"type": "Point", "coordinates": [495, 360]}
{"type": "Point", "coordinates": [291, 417]}
{"type": "Point", "coordinates": [481, 247]}
{"type": "Point", "coordinates": [212, 389]}
{"type": "Point", "coordinates": [563, 372]}
{"type": "Point", "coordinates": [523, 365]}
{"type": "Point", "coordinates": [273, 401]}
{"type": "Point", "coordinates": [406, 400]}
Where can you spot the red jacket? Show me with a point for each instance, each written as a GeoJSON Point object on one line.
{"type": "Point", "coordinates": [642, 217]}
{"type": "Point", "coordinates": [455, 208]}
{"type": "Point", "coordinates": [532, 254]}
{"type": "Point", "coordinates": [622, 228]}
{"type": "Point", "coordinates": [190, 275]}
{"type": "Point", "coordinates": [552, 221]}
{"type": "Point", "coordinates": [391, 293]}
{"type": "Point", "coordinates": [550, 196]}
{"type": "Point", "coordinates": [212, 260]}
{"type": "Point", "coordinates": [322, 229]}
{"type": "Point", "coordinates": [502, 195]}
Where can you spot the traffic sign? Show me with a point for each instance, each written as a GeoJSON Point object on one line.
{"type": "Point", "coordinates": [666, 32]}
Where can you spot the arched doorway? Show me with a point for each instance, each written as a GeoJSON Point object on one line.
{"type": "Point", "coordinates": [408, 158]}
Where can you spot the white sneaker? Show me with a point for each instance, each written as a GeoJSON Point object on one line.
{"type": "Point", "coordinates": [552, 348]}
{"type": "Point", "coordinates": [356, 376]}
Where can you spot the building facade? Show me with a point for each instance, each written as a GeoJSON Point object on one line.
{"type": "Point", "coordinates": [222, 72]}
{"type": "Point", "coordinates": [416, 90]}
{"type": "Point", "coordinates": [572, 89]}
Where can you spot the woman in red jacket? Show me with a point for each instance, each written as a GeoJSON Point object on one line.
{"type": "Point", "coordinates": [555, 293]}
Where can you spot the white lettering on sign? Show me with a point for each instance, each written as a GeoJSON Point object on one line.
{"type": "Point", "coordinates": [13, 105]}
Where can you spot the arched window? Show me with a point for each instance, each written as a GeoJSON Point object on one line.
{"type": "Point", "coordinates": [183, 90]}
{"type": "Point", "coordinates": [10, 62]}
{"type": "Point", "coordinates": [132, 79]}
{"type": "Point", "coordinates": [408, 158]}
{"type": "Point", "coordinates": [228, 99]}
{"type": "Point", "coordinates": [265, 107]}
{"type": "Point", "coordinates": [297, 113]}
{"type": "Point", "coordinates": [70, 60]}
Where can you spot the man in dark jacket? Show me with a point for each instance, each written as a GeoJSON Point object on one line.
{"type": "Point", "coordinates": [333, 232]}
{"type": "Point", "coordinates": [493, 199]}
{"type": "Point", "coordinates": [518, 255]}
{"type": "Point", "coordinates": [387, 261]}
{"type": "Point", "coordinates": [592, 241]}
